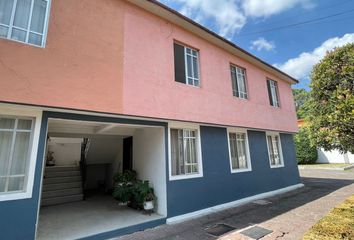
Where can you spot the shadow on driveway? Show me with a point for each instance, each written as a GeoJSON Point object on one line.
{"type": "Point", "coordinates": [251, 213]}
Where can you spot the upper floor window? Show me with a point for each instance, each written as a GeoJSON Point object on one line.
{"type": "Point", "coordinates": [274, 150]}
{"type": "Point", "coordinates": [238, 78]}
{"type": "Point", "coordinates": [186, 65]}
{"type": "Point", "coordinates": [239, 151]}
{"type": "Point", "coordinates": [24, 20]}
{"type": "Point", "coordinates": [15, 146]}
{"type": "Point", "coordinates": [273, 93]}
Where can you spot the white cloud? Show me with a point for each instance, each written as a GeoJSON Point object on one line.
{"type": "Point", "coordinates": [266, 8]}
{"type": "Point", "coordinates": [301, 66]}
{"type": "Point", "coordinates": [229, 16]}
{"type": "Point", "coordinates": [226, 14]}
{"type": "Point", "coordinates": [262, 44]}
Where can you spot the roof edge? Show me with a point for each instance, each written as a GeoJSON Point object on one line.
{"type": "Point", "coordinates": [179, 19]}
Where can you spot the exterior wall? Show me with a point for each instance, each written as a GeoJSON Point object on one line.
{"type": "Point", "coordinates": [87, 56]}
{"type": "Point", "coordinates": [18, 218]}
{"type": "Point", "coordinates": [334, 157]}
{"type": "Point", "coordinates": [149, 80]}
{"type": "Point", "coordinates": [149, 160]}
{"type": "Point", "coordinates": [81, 64]}
{"type": "Point", "coordinates": [218, 185]}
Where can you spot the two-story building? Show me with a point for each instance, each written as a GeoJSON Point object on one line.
{"type": "Point", "coordinates": [208, 124]}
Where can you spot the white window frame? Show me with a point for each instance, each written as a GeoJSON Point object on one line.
{"type": "Point", "coordinates": [28, 31]}
{"type": "Point", "coordinates": [36, 116]}
{"type": "Point", "coordinates": [248, 155]}
{"type": "Point", "coordinates": [244, 94]}
{"type": "Point", "coordinates": [190, 126]}
{"type": "Point", "coordinates": [274, 91]}
{"type": "Point", "coordinates": [273, 134]}
{"type": "Point", "coordinates": [192, 70]}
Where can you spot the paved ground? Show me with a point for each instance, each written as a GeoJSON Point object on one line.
{"type": "Point", "coordinates": [288, 215]}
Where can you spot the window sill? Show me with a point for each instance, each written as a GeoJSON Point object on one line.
{"type": "Point", "coordinates": [187, 176]}
{"type": "Point", "coordinates": [277, 166]}
{"type": "Point", "coordinates": [241, 170]}
{"type": "Point", "coordinates": [14, 196]}
{"type": "Point", "coordinates": [21, 42]}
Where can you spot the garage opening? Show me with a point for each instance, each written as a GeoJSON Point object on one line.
{"type": "Point", "coordinates": [82, 164]}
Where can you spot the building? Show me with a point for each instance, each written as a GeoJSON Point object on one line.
{"type": "Point", "coordinates": [207, 123]}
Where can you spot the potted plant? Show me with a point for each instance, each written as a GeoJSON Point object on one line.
{"type": "Point", "coordinates": [127, 177]}
{"type": "Point", "coordinates": [143, 195]}
{"type": "Point", "coordinates": [123, 193]}
{"type": "Point", "coordinates": [123, 187]}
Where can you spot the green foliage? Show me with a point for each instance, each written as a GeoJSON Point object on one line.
{"type": "Point", "coordinates": [305, 152]}
{"type": "Point", "coordinates": [125, 177]}
{"type": "Point", "coordinates": [301, 98]}
{"type": "Point", "coordinates": [143, 192]}
{"type": "Point", "coordinates": [331, 116]}
{"type": "Point", "coordinates": [123, 192]}
{"type": "Point", "coordinates": [129, 189]}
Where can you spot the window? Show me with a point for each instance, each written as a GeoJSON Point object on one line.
{"type": "Point", "coordinates": [24, 20]}
{"type": "Point", "coordinates": [239, 151]}
{"type": "Point", "coordinates": [273, 93]}
{"type": "Point", "coordinates": [186, 65]}
{"type": "Point", "coordinates": [185, 158]}
{"type": "Point", "coordinates": [274, 150]}
{"type": "Point", "coordinates": [238, 78]}
{"type": "Point", "coordinates": [15, 145]}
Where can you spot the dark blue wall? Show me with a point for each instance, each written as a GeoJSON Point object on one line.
{"type": "Point", "coordinates": [218, 185]}
{"type": "Point", "coordinates": [18, 217]}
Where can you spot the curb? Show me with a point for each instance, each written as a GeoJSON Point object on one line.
{"type": "Point", "coordinates": [324, 168]}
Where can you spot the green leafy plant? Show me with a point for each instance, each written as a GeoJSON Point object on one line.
{"type": "Point", "coordinates": [128, 176]}
{"type": "Point", "coordinates": [124, 186]}
{"type": "Point", "coordinates": [143, 192]}
{"type": "Point", "coordinates": [123, 193]}
{"type": "Point", "coordinates": [331, 106]}
{"type": "Point", "coordinates": [306, 153]}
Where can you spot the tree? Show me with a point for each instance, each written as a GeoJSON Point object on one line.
{"type": "Point", "coordinates": [301, 98]}
{"type": "Point", "coordinates": [306, 153]}
{"type": "Point", "coordinates": [331, 106]}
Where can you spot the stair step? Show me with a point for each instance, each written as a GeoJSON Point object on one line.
{"type": "Point", "coordinates": [61, 193]}
{"type": "Point", "coordinates": [61, 186]}
{"type": "Point", "coordinates": [61, 180]}
{"type": "Point", "coordinates": [62, 174]}
{"type": "Point", "coordinates": [61, 168]}
{"type": "Point", "coordinates": [61, 200]}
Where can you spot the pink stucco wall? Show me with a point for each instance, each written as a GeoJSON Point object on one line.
{"type": "Point", "coordinates": [81, 65]}
{"type": "Point", "coordinates": [150, 90]}
{"type": "Point", "coordinates": [111, 56]}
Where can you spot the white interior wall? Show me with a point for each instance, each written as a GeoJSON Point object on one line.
{"type": "Point", "coordinates": [149, 162]}
{"type": "Point", "coordinates": [104, 158]}
{"type": "Point", "coordinates": [66, 151]}
{"type": "Point", "coordinates": [334, 157]}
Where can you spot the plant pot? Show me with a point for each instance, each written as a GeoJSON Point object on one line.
{"type": "Point", "coordinates": [122, 203]}
{"type": "Point", "coordinates": [149, 205]}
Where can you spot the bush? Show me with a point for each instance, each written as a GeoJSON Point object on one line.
{"type": "Point", "coordinates": [306, 153]}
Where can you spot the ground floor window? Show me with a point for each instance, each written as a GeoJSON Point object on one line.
{"type": "Point", "coordinates": [15, 144]}
{"type": "Point", "coordinates": [185, 158]}
{"type": "Point", "coordinates": [239, 150]}
{"type": "Point", "coordinates": [274, 150]}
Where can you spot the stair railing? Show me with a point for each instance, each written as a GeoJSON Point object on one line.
{"type": "Point", "coordinates": [83, 165]}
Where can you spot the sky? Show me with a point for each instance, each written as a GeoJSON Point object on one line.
{"type": "Point", "coordinates": [292, 35]}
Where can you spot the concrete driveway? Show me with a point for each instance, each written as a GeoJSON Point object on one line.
{"type": "Point", "coordinates": [288, 215]}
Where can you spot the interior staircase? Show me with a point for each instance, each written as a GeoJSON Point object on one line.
{"type": "Point", "coordinates": [62, 184]}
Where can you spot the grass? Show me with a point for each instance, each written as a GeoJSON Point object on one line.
{"type": "Point", "coordinates": [338, 224]}
{"type": "Point", "coordinates": [327, 165]}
